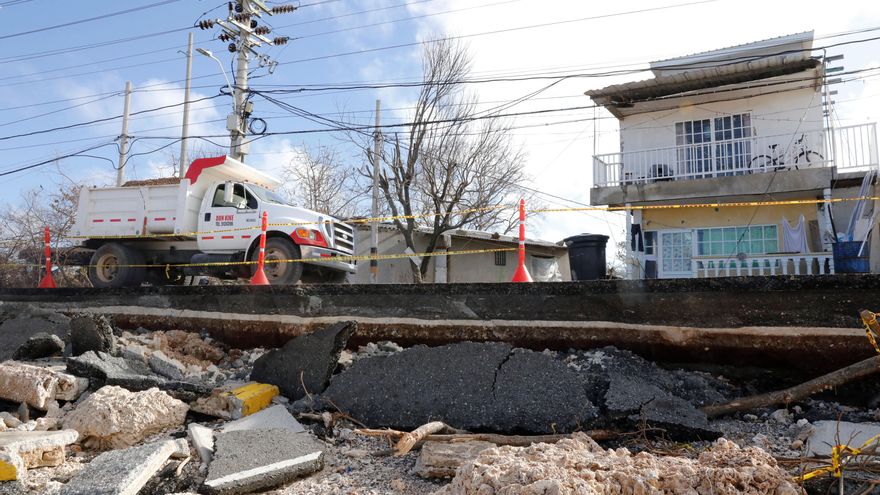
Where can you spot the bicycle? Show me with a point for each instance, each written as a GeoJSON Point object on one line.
{"type": "Point", "coordinates": [776, 161]}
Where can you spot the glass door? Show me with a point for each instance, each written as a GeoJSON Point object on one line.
{"type": "Point", "coordinates": [676, 250]}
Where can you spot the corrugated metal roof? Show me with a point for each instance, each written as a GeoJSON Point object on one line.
{"type": "Point", "coordinates": [786, 39]}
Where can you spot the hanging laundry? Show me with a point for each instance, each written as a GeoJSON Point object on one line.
{"type": "Point", "coordinates": [637, 242]}
{"type": "Point", "coordinates": [794, 239]}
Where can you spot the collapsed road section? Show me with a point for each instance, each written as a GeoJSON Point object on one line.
{"type": "Point", "coordinates": [125, 411]}
{"type": "Point", "coordinates": [763, 321]}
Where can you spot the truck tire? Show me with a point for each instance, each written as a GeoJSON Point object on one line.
{"type": "Point", "coordinates": [108, 267]}
{"type": "Point", "coordinates": [280, 273]}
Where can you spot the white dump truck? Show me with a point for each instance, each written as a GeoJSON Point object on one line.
{"type": "Point", "coordinates": [144, 231]}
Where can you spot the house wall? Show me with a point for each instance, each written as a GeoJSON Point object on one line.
{"type": "Point", "coordinates": [460, 268]}
{"type": "Point", "coordinates": [784, 113]}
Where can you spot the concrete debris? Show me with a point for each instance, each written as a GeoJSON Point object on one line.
{"type": "Point", "coordinates": [235, 400]}
{"type": "Point", "coordinates": [37, 386]}
{"type": "Point", "coordinates": [120, 472]}
{"type": "Point", "coordinates": [105, 369]}
{"type": "Point", "coordinates": [20, 450]}
{"type": "Point", "coordinates": [41, 345]}
{"type": "Point", "coordinates": [826, 434]}
{"type": "Point", "coordinates": [473, 386]}
{"type": "Point", "coordinates": [305, 364]}
{"type": "Point", "coordinates": [202, 439]}
{"type": "Point", "coordinates": [19, 324]}
{"type": "Point", "coordinates": [441, 459]}
{"type": "Point", "coordinates": [166, 366]}
{"type": "Point", "coordinates": [275, 417]}
{"type": "Point", "coordinates": [114, 417]}
{"type": "Point", "coordinates": [250, 460]}
{"type": "Point", "coordinates": [181, 449]}
{"type": "Point", "coordinates": [91, 333]}
{"type": "Point", "coordinates": [560, 468]}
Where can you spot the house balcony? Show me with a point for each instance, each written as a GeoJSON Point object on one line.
{"type": "Point", "coordinates": [734, 167]}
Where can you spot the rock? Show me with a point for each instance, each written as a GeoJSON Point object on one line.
{"type": "Point", "coordinates": [824, 436]}
{"type": "Point", "coordinates": [9, 420]}
{"type": "Point", "coordinates": [678, 418]}
{"type": "Point", "coordinates": [40, 345]}
{"type": "Point", "coordinates": [308, 359]}
{"type": "Point", "coordinates": [91, 333]}
{"type": "Point", "coordinates": [274, 417]}
{"type": "Point", "coordinates": [120, 472]}
{"type": "Point", "coordinates": [20, 450]}
{"type": "Point", "coordinates": [441, 459]}
{"type": "Point", "coordinates": [166, 366]}
{"type": "Point", "coordinates": [579, 465]}
{"type": "Point", "coordinates": [781, 416]}
{"type": "Point", "coordinates": [473, 386]}
{"type": "Point", "coordinates": [20, 323]}
{"type": "Point", "coordinates": [105, 369]}
{"type": "Point", "coordinates": [115, 418]}
{"type": "Point", "coordinates": [181, 449]}
{"type": "Point", "coordinates": [250, 460]}
{"type": "Point", "coordinates": [135, 352]}
{"type": "Point", "coordinates": [750, 417]}
{"type": "Point", "coordinates": [37, 386]}
{"type": "Point", "coordinates": [202, 439]}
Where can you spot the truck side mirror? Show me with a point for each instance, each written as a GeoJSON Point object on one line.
{"type": "Point", "coordinates": [227, 193]}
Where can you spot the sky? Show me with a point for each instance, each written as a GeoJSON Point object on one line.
{"type": "Point", "coordinates": [55, 77]}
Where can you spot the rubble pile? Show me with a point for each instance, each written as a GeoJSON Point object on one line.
{"type": "Point", "coordinates": [92, 408]}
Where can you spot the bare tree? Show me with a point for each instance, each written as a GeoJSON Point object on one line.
{"type": "Point", "coordinates": [454, 166]}
{"type": "Point", "coordinates": [318, 180]}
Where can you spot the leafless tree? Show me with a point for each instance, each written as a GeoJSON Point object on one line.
{"type": "Point", "coordinates": [318, 180]}
{"type": "Point", "coordinates": [454, 166]}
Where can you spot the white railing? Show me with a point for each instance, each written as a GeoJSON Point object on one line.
{"type": "Point", "coordinates": [765, 264]}
{"type": "Point", "coordinates": [856, 149]}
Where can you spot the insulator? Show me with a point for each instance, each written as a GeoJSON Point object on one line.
{"type": "Point", "coordinates": [224, 37]}
{"type": "Point", "coordinates": [206, 24]}
{"type": "Point", "coordinates": [232, 48]}
{"type": "Point", "coordinates": [238, 7]}
{"type": "Point", "coordinates": [283, 9]}
{"type": "Point", "coordinates": [281, 40]}
{"type": "Point", "coordinates": [262, 30]}
{"type": "Point", "coordinates": [241, 17]}
{"type": "Point", "coordinates": [253, 23]}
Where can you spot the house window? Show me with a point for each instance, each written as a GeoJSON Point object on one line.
{"type": "Point", "coordinates": [712, 147]}
{"type": "Point", "coordinates": [730, 241]}
{"type": "Point", "coordinates": [676, 248]}
{"type": "Point", "coordinates": [501, 258]}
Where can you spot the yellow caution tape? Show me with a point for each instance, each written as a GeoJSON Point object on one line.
{"type": "Point", "coordinates": [836, 467]}
{"type": "Point", "coordinates": [872, 328]}
{"type": "Point", "coordinates": [707, 205]}
{"type": "Point", "coordinates": [168, 266]}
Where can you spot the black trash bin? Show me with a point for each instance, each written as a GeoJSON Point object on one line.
{"type": "Point", "coordinates": [586, 255]}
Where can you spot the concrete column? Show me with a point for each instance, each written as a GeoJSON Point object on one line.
{"type": "Point", "coordinates": [626, 244]}
{"type": "Point", "coordinates": [874, 256]}
{"type": "Point", "coordinates": [826, 233]}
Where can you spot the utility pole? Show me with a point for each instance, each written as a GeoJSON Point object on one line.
{"type": "Point", "coordinates": [374, 211]}
{"type": "Point", "coordinates": [123, 138]}
{"type": "Point", "coordinates": [244, 34]}
{"type": "Point", "coordinates": [184, 133]}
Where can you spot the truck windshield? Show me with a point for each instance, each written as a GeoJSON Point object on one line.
{"type": "Point", "coordinates": [267, 195]}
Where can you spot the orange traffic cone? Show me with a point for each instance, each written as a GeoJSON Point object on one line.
{"type": "Point", "coordinates": [522, 273]}
{"type": "Point", "coordinates": [259, 277]}
{"type": "Point", "coordinates": [47, 282]}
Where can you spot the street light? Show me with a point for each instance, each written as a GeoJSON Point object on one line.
{"type": "Point", "coordinates": [208, 54]}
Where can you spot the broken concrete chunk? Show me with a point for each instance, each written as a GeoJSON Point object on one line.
{"type": "Point", "coordinates": [20, 323]}
{"type": "Point", "coordinates": [307, 360]}
{"type": "Point", "coordinates": [166, 366]}
{"type": "Point", "coordinates": [11, 467]}
{"type": "Point", "coordinates": [181, 449]}
{"type": "Point", "coordinates": [20, 450]}
{"type": "Point", "coordinates": [36, 386]}
{"type": "Point", "coordinates": [91, 333]}
{"type": "Point", "coordinates": [825, 436]}
{"type": "Point", "coordinates": [111, 370]}
{"type": "Point", "coordinates": [441, 459]}
{"type": "Point", "coordinates": [679, 419]}
{"type": "Point", "coordinates": [249, 460]}
{"type": "Point", "coordinates": [233, 401]}
{"type": "Point", "coordinates": [202, 439]}
{"type": "Point", "coordinates": [115, 418]}
{"type": "Point", "coordinates": [579, 465]}
{"type": "Point", "coordinates": [274, 417]}
{"type": "Point", "coordinates": [41, 345]}
{"type": "Point", "coordinates": [120, 472]}
{"type": "Point", "coordinates": [473, 386]}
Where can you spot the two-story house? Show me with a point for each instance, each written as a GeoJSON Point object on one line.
{"type": "Point", "coordinates": [730, 163]}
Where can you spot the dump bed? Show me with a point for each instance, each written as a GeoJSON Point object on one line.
{"type": "Point", "coordinates": [137, 210]}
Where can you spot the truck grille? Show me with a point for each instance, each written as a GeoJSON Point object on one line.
{"type": "Point", "coordinates": [343, 235]}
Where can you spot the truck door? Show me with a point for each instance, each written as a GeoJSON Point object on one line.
{"type": "Point", "coordinates": [221, 222]}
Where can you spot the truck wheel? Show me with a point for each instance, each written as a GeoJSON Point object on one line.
{"type": "Point", "coordinates": [109, 266]}
{"type": "Point", "coordinates": [280, 273]}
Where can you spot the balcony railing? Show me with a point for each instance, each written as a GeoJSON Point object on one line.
{"type": "Point", "coordinates": [856, 150]}
{"type": "Point", "coordinates": [766, 264]}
